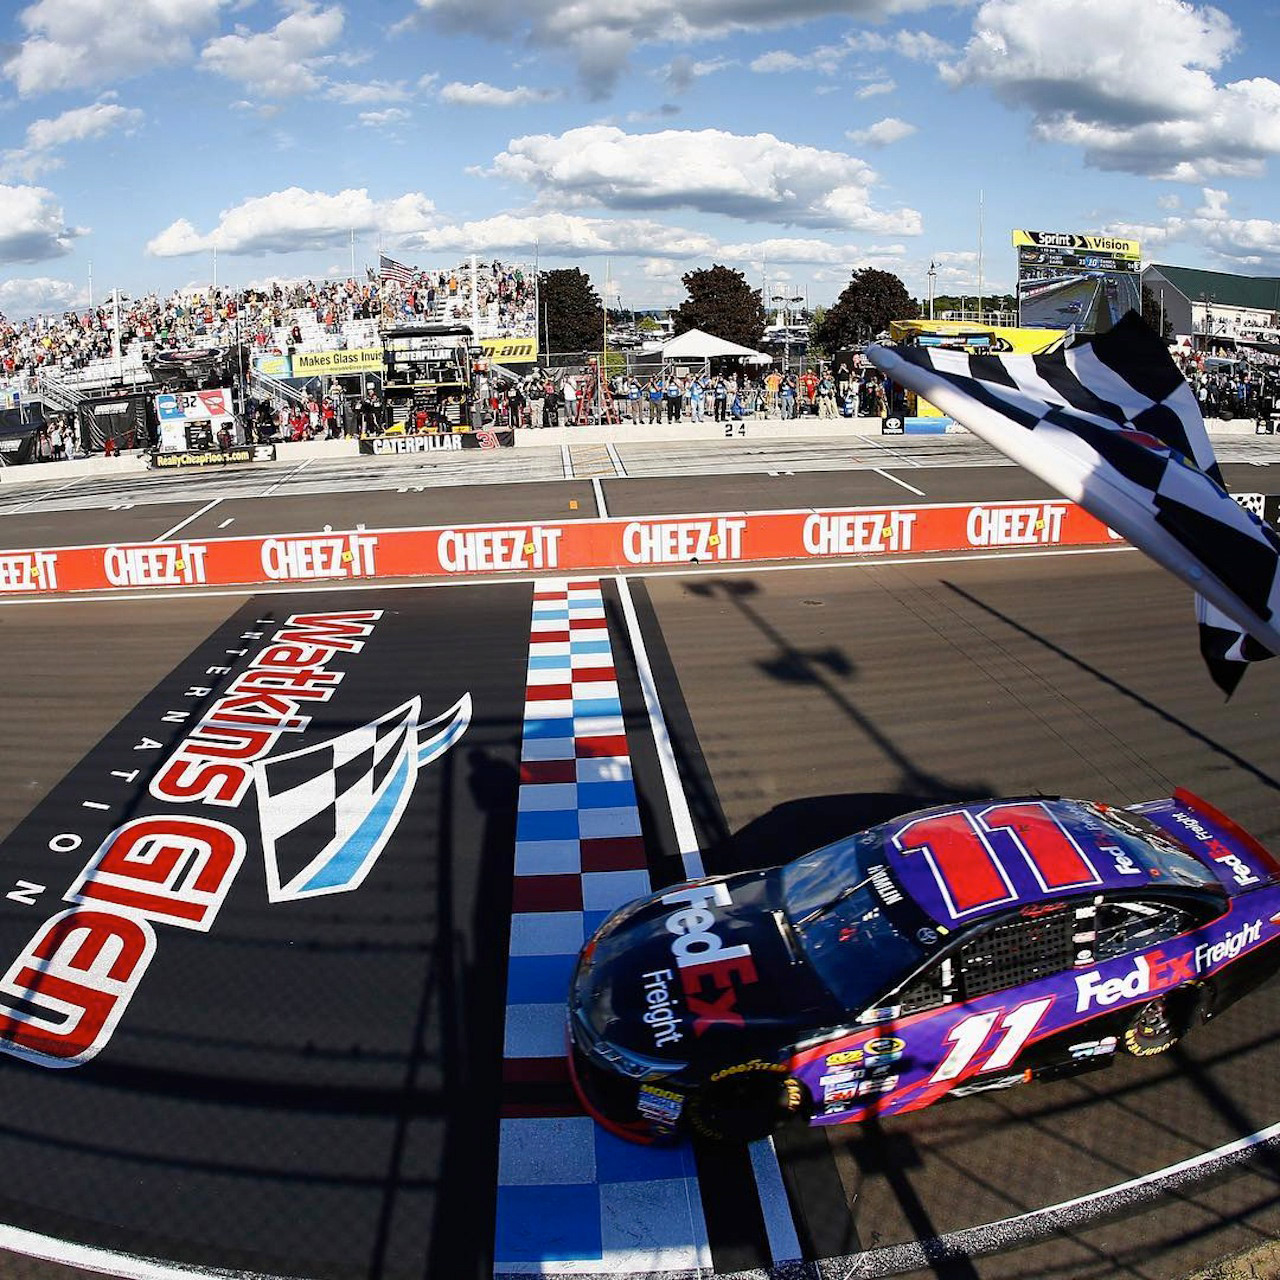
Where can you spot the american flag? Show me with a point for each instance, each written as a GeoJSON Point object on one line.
{"type": "Point", "coordinates": [1111, 424]}
{"type": "Point", "coordinates": [390, 269]}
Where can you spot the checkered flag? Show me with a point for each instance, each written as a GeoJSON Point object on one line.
{"type": "Point", "coordinates": [327, 811]}
{"type": "Point", "coordinates": [1112, 425]}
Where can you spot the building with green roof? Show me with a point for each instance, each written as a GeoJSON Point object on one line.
{"type": "Point", "coordinates": [1214, 309]}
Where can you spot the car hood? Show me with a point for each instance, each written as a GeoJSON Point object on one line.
{"type": "Point", "coordinates": [703, 973]}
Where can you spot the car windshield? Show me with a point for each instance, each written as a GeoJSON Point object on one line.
{"type": "Point", "coordinates": [854, 923]}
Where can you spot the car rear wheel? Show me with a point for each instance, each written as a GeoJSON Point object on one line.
{"type": "Point", "coordinates": [745, 1103]}
{"type": "Point", "coordinates": [1152, 1030]}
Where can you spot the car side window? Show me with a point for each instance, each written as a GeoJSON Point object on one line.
{"type": "Point", "coordinates": [1131, 925]}
{"type": "Point", "coordinates": [1019, 950]}
{"type": "Point", "coordinates": [928, 990]}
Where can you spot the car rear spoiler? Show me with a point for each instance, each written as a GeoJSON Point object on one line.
{"type": "Point", "coordinates": [1240, 860]}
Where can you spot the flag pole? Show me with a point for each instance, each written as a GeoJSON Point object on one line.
{"type": "Point", "coordinates": [981, 212]}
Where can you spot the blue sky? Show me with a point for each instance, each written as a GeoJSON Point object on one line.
{"type": "Point", "coordinates": [792, 141]}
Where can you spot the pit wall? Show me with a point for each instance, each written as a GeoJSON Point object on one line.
{"type": "Point", "coordinates": [479, 550]}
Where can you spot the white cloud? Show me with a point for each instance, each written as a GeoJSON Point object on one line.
{"type": "Point", "coordinates": [1238, 242]}
{"type": "Point", "coordinates": [383, 119]}
{"type": "Point", "coordinates": [32, 228]}
{"type": "Point", "coordinates": [278, 63]}
{"type": "Point", "coordinates": [81, 44]}
{"type": "Point", "coordinates": [756, 177]}
{"type": "Point", "coordinates": [45, 136]}
{"type": "Point", "coordinates": [563, 234]}
{"type": "Point", "coordinates": [883, 132]}
{"type": "Point", "coordinates": [601, 37]}
{"type": "Point", "coordinates": [81, 123]}
{"type": "Point", "coordinates": [295, 220]}
{"type": "Point", "coordinates": [777, 60]}
{"type": "Point", "coordinates": [488, 95]}
{"type": "Point", "coordinates": [1129, 82]}
{"type": "Point", "coordinates": [357, 93]}
{"type": "Point", "coordinates": [876, 88]}
{"type": "Point", "coordinates": [36, 296]}
{"type": "Point", "coordinates": [801, 252]}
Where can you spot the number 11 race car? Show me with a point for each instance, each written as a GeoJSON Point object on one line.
{"type": "Point", "coordinates": [953, 950]}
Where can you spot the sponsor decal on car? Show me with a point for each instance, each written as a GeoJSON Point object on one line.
{"type": "Point", "coordinates": [1151, 972]}
{"type": "Point", "coordinates": [710, 971]}
{"type": "Point", "coordinates": [661, 1107]}
{"type": "Point", "coordinates": [1240, 871]}
{"type": "Point", "coordinates": [1209, 954]}
{"type": "Point", "coordinates": [661, 1014]}
{"type": "Point", "coordinates": [844, 1056]}
{"type": "Point", "coordinates": [883, 1049]}
{"type": "Point", "coordinates": [1093, 1048]}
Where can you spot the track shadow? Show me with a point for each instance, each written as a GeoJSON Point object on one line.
{"type": "Point", "coordinates": [1123, 690]}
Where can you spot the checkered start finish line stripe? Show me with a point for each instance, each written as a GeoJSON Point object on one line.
{"type": "Point", "coordinates": [571, 1197]}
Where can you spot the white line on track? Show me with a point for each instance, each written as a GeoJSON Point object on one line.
{"type": "Point", "coordinates": [227, 521]}
{"type": "Point", "coordinates": [267, 492]}
{"type": "Point", "coordinates": [905, 458]}
{"type": "Point", "coordinates": [566, 461]}
{"type": "Point", "coordinates": [617, 461]}
{"type": "Point", "coordinates": [182, 524]}
{"type": "Point", "coordinates": [720, 570]}
{"type": "Point", "coordinates": [880, 471]}
{"type": "Point", "coordinates": [598, 489]}
{"type": "Point", "coordinates": [1023, 1228]}
{"type": "Point", "coordinates": [780, 1228]}
{"type": "Point", "coordinates": [42, 494]}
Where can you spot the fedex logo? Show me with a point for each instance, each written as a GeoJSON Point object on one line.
{"type": "Point", "coordinates": [1151, 972]}
{"type": "Point", "coordinates": [707, 967]}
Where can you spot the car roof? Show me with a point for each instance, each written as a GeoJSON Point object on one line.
{"type": "Point", "coordinates": [963, 863]}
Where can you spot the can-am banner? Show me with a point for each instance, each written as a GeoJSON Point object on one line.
{"type": "Point", "coordinates": [570, 545]}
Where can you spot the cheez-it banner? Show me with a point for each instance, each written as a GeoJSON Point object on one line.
{"type": "Point", "coordinates": [573, 545]}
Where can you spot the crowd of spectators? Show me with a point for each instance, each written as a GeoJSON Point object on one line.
{"type": "Point", "coordinates": [1233, 386]}
{"type": "Point", "coordinates": [294, 314]}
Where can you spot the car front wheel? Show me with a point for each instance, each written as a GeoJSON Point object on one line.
{"type": "Point", "coordinates": [744, 1103]}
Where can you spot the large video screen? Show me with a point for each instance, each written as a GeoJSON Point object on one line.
{"type": "Point", "coordinates": [1068, 279]}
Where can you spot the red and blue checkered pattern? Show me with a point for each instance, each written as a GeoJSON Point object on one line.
{"type": "Point", "coordinates": [571, 1197]}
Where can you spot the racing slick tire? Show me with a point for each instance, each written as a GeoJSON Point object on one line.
{"type": "Point", "coordinates": [1159, 1024]}
{"type": "Point", "coordinates": [1153, 1029]}
{"type": "Point", "coordinates": [745, 1102]}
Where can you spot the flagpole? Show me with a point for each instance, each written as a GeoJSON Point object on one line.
{"type": "Point", "coordinates": [981, 212]}
{"type": "Point", "coordinates": [537, 286]}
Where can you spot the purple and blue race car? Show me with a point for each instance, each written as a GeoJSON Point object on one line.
{"type": "Point", "coordinates": [949, 951]}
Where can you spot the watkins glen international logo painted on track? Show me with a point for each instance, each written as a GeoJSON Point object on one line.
{"type": "Point", "coordinates": [326, 812]}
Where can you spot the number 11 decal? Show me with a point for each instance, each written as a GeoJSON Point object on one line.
{"type": "Point", "coordinates": [969, 1035]}
{"type": "Point", "coordinates": [960, 849]}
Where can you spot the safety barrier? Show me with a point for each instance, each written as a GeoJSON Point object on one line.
{"type": "Point", "coordinates": [550, 546]}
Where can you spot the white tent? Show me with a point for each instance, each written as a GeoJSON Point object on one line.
{"type": "Point", "coordinates": [696, 345]}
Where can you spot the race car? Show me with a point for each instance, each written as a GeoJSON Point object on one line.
{"type": "Point", "coordinates": [952, 950]}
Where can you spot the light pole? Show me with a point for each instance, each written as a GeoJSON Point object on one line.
{"type": "Point", "coordinates": [933, 277]}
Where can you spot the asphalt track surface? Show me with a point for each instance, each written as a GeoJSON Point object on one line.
{"type": "Point", "coordinates": [309, 1088]}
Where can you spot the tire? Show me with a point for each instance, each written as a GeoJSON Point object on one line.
{"type": "Point", "coordinates": [1153, 1029]}
{"type": "Point", "coordinates": [744, 1103]}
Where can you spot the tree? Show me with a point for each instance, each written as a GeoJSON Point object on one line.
{"type": "Point", "coordinates": [869, 302]}
{"type": "Point", "coordinates": [1153, 313]}
{"type": "Point", "coordinates": [573, 319]}
{"type": "Point", "coordinates": [721, 302]}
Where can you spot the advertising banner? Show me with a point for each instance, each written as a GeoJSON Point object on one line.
{"type": "Point", "coordinates": [274, 365]}
{"type": "Point", "coordinates": [439, 442]}
{"type": "Point", "coordinates": [214, 457]}
{"type": "Point", "coordinates": [325, 364]}
{"type": "Point", "coordinates": [572, 545]}
{"type": "Point", "coordinates": [195, 406]}
{"type": "Point", "coordinates": [511, 350]}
